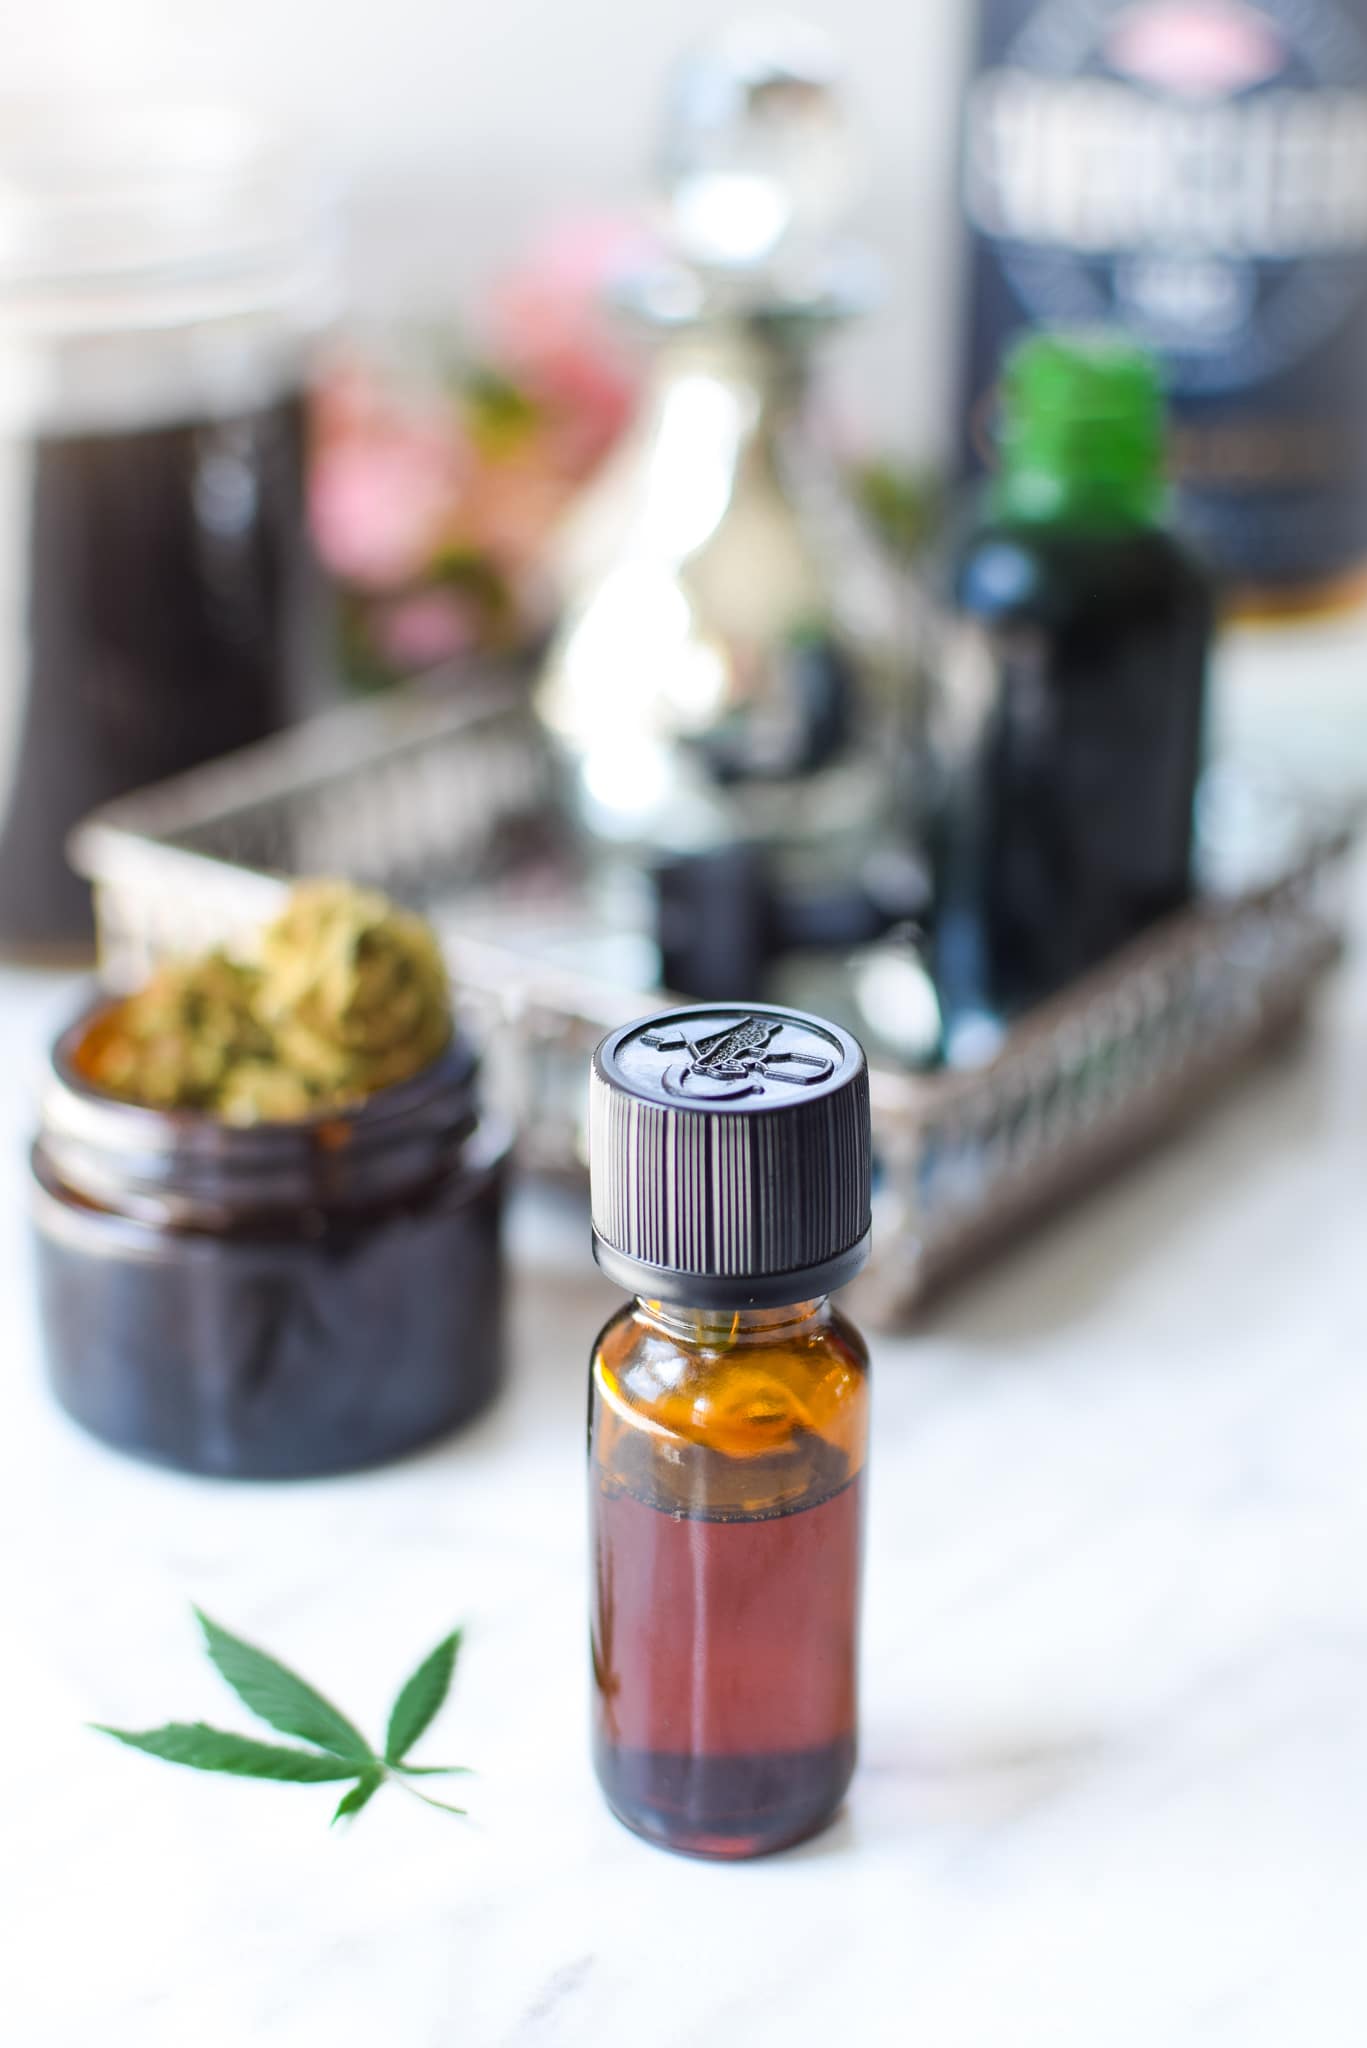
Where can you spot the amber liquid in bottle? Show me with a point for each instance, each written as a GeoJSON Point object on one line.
{"type": "Point", "coordinates": [726, 1460]}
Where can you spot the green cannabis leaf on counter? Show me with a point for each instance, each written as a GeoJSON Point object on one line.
{"type": "Point", "coordinates": [291, 1706]}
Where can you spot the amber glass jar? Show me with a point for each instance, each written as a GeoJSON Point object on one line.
{"type": "Point", "coordinates": [728, 1422]}
{"type": "Point", "coordinates": [277, 1300]}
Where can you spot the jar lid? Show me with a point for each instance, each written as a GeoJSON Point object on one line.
{"type": "Point", "coordinates": [160, 263]}
{"type": "Point", "coordinates": [141, 216]}
{"type": "Point", "coordinates": [730, 1155]}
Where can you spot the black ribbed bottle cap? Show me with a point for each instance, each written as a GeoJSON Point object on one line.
{"type": "Point", "coordinates": [729, 1148]}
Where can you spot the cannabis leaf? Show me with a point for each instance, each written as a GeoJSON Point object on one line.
{"type": "Point", "coordinates": [339, 1750]}
{"type": "Point", "coordinates": [351, 1802]}
{"type": "Point", "coordinates": [420, 1699]}
{"type": "Point", "coordinates": [276, 1695]}
{"type": "Point", "coordinates": [211, 1749]}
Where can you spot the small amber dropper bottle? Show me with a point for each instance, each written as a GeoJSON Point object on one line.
{"type": "Point", "coordinates": [728, 1415]}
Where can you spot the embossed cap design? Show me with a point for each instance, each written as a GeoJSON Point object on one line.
{"type": "Point", "coordinates": [730, 1155]}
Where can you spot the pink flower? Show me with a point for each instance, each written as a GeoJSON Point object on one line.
{"type": "Point", "coordinates": [415, 482]}
{"type": "Point", "coordinates": [381, 498]}
{"type": "Point", "coordinates": [421, 631]}
{"type": "Point", "coordinates": [511, 508]}
{"type": "Point", "coordinates": [549, 327]}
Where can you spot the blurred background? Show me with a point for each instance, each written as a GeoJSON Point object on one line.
{"type": "Point", "coordinates": [461, 134]}
{"type": "Point", "coordinates": [905, 473]}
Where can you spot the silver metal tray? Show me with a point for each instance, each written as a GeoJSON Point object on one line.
{"type": "Point", "coordinates": [446, 796]}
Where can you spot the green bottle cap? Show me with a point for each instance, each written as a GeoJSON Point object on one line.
{"type": "Point", "coordinates": [1082, 433]}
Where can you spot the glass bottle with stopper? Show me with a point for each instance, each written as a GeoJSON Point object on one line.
{"type": "Point", "coordinates": [730, 684]}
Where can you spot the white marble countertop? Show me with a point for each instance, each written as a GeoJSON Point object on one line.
{"type": "Point", "coordinates": [1114, 1776]}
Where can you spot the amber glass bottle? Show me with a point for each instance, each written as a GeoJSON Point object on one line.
{"type": "Point", "coordinates": [728, 1417]}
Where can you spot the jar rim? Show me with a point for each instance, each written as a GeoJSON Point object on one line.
{"type": "Point", "coordinates": [109, 1149]}
{"type": "Point", "coordinates": [155, 213]}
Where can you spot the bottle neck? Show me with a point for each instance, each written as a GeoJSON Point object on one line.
{"type": "Point", "coordinates": [718, 1329]}
{"type": "Point", "coordinates": [1081, 436]}
{"type": "Point", "coordinates": [1028, 495]}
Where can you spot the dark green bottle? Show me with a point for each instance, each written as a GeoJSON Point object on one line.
{"type": "Point", "coordinates": [1074, 688]}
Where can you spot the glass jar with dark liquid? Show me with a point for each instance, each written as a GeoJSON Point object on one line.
{"type": "Point", "coordinates": [162, 279]}
{"type": "Point", "coordinates": [728, 1424]}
